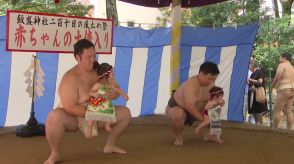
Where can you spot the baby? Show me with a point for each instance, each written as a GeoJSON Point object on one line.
{"type": "Point", "coordinates": [211, 115]}
{"type": "Point", "coordinates": [100, 108]}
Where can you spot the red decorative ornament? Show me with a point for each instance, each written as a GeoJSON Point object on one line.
{"type": "Point", "coordinates": [96, 101]}
{"type": "Point", "coordinates": [56, 1]}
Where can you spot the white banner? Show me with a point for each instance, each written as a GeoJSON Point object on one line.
{"type": "Point", "coordinates": [28, 31]}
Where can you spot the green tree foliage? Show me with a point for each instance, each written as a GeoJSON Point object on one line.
{"type": "Point", "coordinates": [218, 14]}
{"type": "Point", "coordinates": [165, 19]}
{"type": "Point", "coordinates": [286, 7]}
{"type": "Point", "coordinates": [111, 11]}
{"type": "Point", "coordinates": [214, 15]}
{"type": "Point", "coordinates": [65, 7]}
{"type": "Point", "coordinates": [274, 37]}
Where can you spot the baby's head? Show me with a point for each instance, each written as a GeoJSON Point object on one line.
{"type": "Point", "coordinates": [103, 70]}
{"type": "Point", "coordinates": [216, 93]}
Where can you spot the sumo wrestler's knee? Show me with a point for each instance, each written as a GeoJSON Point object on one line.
{"type": "Point", "coordinates": [50, 118]}
{"type": "Point", "coordinates": [277, 109]}
{"type": "Point", "coordinates": [289, 113]}
{"type": "Point", "coordinates": [123, 114]}
{"type": "Point", "coordinates": [177, 115]}
{"type": "Point", "coordinates": [53, 118]}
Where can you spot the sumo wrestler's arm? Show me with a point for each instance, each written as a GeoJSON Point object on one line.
{"type": "Point", "coordinates": [189, 104]}
{"type": "Point", "coordinates": [280, 71]}
{"type": "Point", "coordinates": [69, 94]}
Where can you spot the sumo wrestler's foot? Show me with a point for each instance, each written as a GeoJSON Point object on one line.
{"type": "Point", "coordinates": [178, 142]}
{"type": "Point", "coordinates": [53, 158]}
{"type": "Point", "coordinates": [114, 149]}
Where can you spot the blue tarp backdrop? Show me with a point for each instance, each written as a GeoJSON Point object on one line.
{"type": "Point", "coordinates": [141, 60]}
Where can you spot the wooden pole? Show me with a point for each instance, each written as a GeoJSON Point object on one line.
{"type": "Point", "coordinates": [175, 44]}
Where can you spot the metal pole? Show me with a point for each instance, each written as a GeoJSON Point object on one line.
{"type": "Point", "coordinates": [270, 97]}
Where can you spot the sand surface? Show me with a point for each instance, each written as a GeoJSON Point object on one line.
{"type": "Point", "coordinates": [152, 144]}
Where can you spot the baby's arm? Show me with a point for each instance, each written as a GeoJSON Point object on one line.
{"type": "Point", "coordinates": [221, 103]}
{"type": "Point", "coordinates": [93, 92]}
{"type": "Point", "coordinates": [121, 92]}
{"type": "Point", "coordinates": [209, 104]}
{"type": "Point", "coordinates": [116, 88]}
